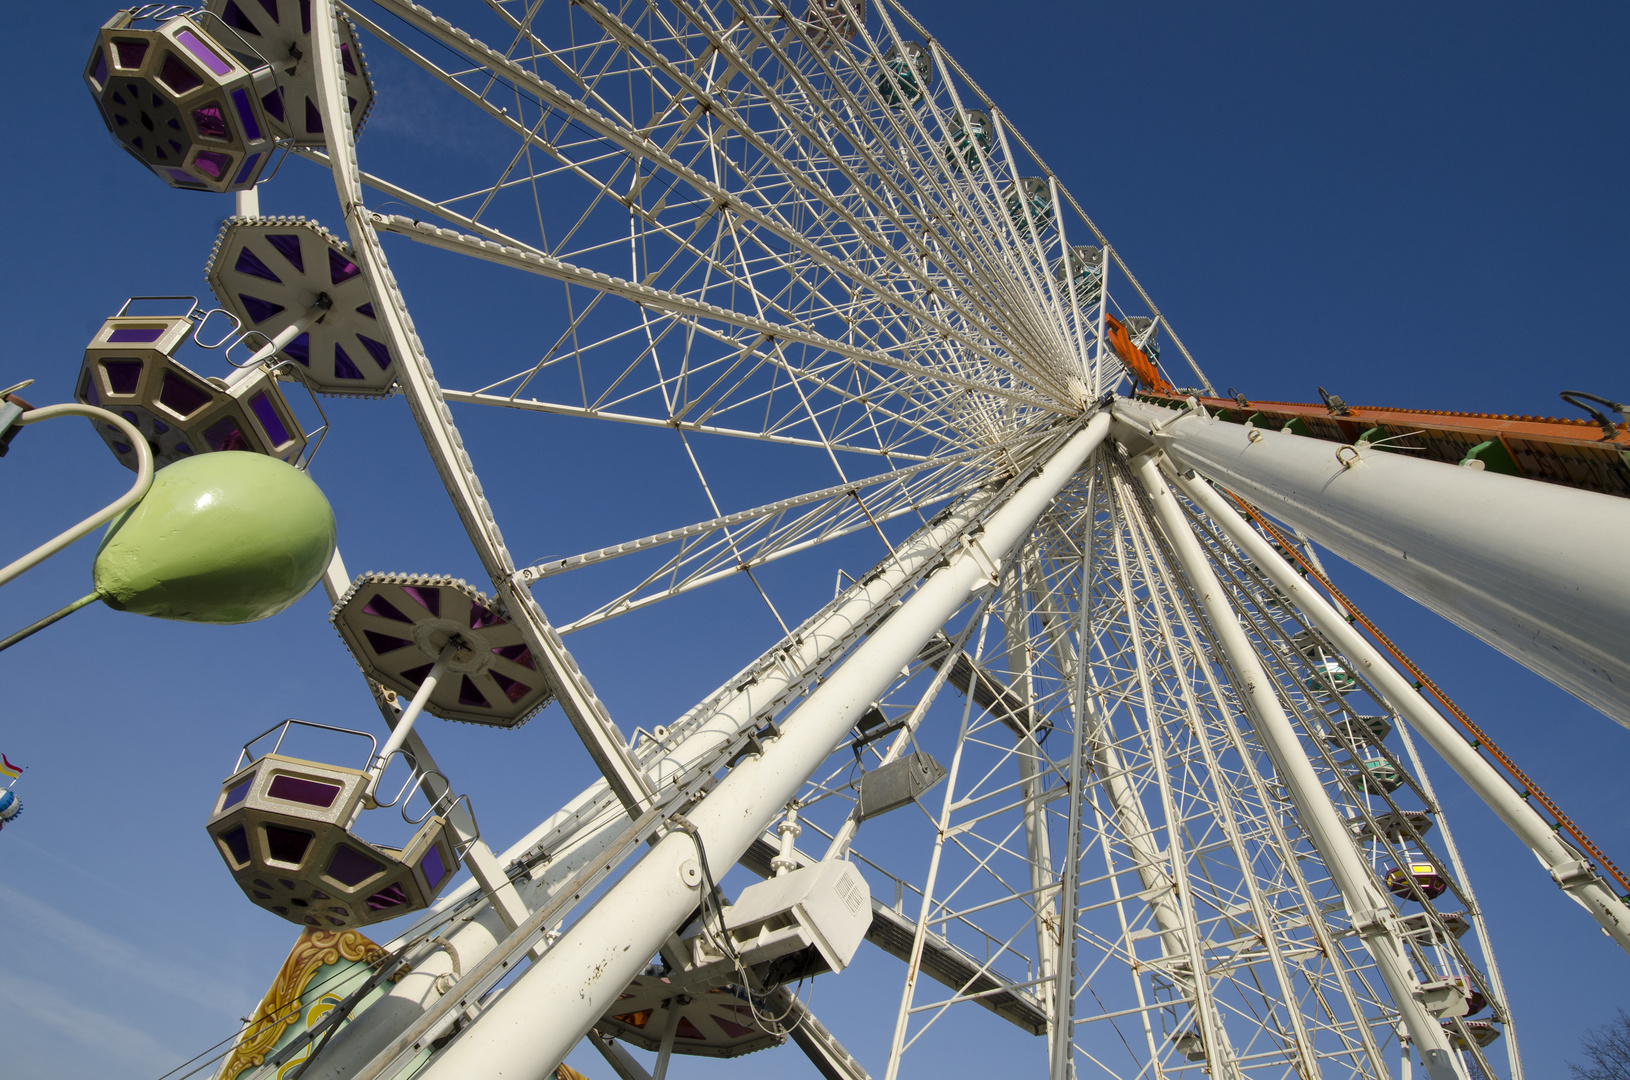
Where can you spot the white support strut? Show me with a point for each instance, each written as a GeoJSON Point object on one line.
{"type": "Point", "coordinates": [1566, 866]}
{"type": "Point", "coordinates": [538, 1020]}
{"type": "Point", "coordinates": [1370, 913]}
{"type": "Point", "coordinates": [1536, 570]}
{"type": "Point", "coordinates": [581, 832]}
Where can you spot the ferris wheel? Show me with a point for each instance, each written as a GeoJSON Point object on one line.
{"type": "Point", "coordinates": [1083, 736]}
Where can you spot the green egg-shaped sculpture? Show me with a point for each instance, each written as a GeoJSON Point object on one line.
{"type": "Point", "coordinates": [225, 537]}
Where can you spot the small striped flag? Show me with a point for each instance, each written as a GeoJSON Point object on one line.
{"type": "Point", "coordinates": [8, 770]}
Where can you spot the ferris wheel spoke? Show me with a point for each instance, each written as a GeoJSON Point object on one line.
{"type": "Point", "coordinates": [716, 195]}
{"type": "Point", "coordinates": [700, 563]}
{"type": "Point", "coordinates": [536, 262]}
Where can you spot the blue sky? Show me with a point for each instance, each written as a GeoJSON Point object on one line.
{"type": "Point", "coordinates": [1409, 206]}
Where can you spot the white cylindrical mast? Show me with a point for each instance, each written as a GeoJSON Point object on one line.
{"type": "Point", "coordinates": [527, 1031]}
{"type": "Point", "coordinates": [1536, 570]}
{"type": "Point", "coordinates": [1371, 915]}
{"type": "Point", "coordinates": [1567, 867]}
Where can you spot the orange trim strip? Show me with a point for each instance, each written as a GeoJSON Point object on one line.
{"type": "Point", "coordinates": [1538, 428]}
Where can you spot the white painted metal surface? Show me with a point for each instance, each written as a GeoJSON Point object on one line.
{"type": "Point", "coordinates": [1536, 570]}
{"type": "Point", "coordinates": [1567, 866]}
{"type": "Point", "coordinates": [575, 981]}
{"type": "Point", "coordinates": [1371, 914]}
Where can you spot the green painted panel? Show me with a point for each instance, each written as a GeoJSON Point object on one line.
{"type": "Point", "coordinates": [1494, 456]}
{"type": "Point", "coordinates": [228, 537]}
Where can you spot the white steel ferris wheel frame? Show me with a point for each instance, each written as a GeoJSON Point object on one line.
{"type": "Point", "coordinates": [1082, 574]}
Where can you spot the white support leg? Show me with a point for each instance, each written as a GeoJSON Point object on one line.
{"type": "Point", "coordinates": [1566, 866]}
{"type": "Point", "coordinates": [1536, 570]}
{"type": "Point", "coordinates": [528, 1030]}
{"type": "Point", "coordinates": [1370, 913]}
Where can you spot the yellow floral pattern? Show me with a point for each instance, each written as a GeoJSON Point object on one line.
{"type": "Point", "coordinates": [314, 950]}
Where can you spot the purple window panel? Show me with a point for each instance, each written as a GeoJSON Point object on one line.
{"type": "Point", "coordinates": [318, 894]}
{"type": "Point", "coordinates": [209, 122]}
{"type": "Point", "coordinates": [266, 413]}
{"type": "Point", "coordinates": [262, 895]}
{"type": "Point", "coordinates": [333, 921]}
{"type": "Point", "coordinates": [384, 609]}
{"type": "Point", "coordinates": [288, 246]}
{"type": "Point", "coordinates": [212, 163]}
{"type": "Point", "coordinates": [368, 310]}
{"type": "Point", "coordinates": [159, 150]}
{"type": "Point", "coordinates": [121, 121]}
{"type": "Point", "coordinates": [234, 17]}
{"type": "Point", "coordinates": [516, 654]}
{"type": "Point", "coordinates": [183, 449]}
{"type": "Point", "coordinates": [246, 113]}
{"type": "Point", "coordinates": [248, 170]}
{"type": "Point", "coordinates": [351, 867]}
{"type": "Point", "coordinates": [173, 122]}
{"type": "Point", "coordinates": [299, 349]}
{"type": "Point", "coordinates": [180, 396]}
{"type": "Point", "coordinates": [224, 435]}
{"type": "Point", "coordinates": [130, 53]}
{"type": "Point", "coordinates": [377, 350]}
{"type": "Point", "coordinates": [235, 796]}
{"type": "Point", "coordinates": [435, 871]}
{"type": "Point", "coordinates": [415, 676]}
{"type": "Point", "coordinates": [470, 694]}
{"type": "Point", "coordinates": [351, 105]}
{"type": "Point", "coordinates": [384, 643]}
{"type": "Point", "coordinates": [513, 690]}
{"type": "Point", "coordinates": [87, 389]}
{"type": "Point", "coordinates": [182, 179]}
{"type": "Point", "coordinates": [135, 421]}
{"type": "Point", "coordinates": [237, 843]}
{"type": "Point", "coordinates": [190, 42]}
{"type": "Point", "coordinates": [286, 883]}
{"type": "Point", "coordinates": [428, 597]}
{"type": "Point", "coordinates": [121, 447]}
{"type": "Point", "coordinates": [388, 897]}
{"type": "Point", "coordinates": [314, 119]}
{"type": "Point", "coordinates": [305, 16]}
{"type": "Point", "coordinates": [175, 146]}
{"type": "Point", "coordinates": [136, 333]}
{"type": "Point", "coordinates": [117, 98]}
{"type": "Point", "coordinates": [343, 368]}
{"type": "Point", "coordinates": [481, 618]}
{"type": "Point", "coordinates": [259, 310]}
{"type": "Point", "coordinates": [178, 76]}
{"type": "Point", "coordinates": [286, 845]}
{"type": "Point", "coordinates": [271, 9]}
{"type": "Point", "coordinates": [160, 427]}
{"type": "Point", "coordinates": [249, 263]}
{"type": "Point", "coordinates": [100, 75]}
{"type": "Point", "coordinates": [307, 792]}
{"type": "Point", "coordinates": [341, 269]}
{"type": "Point", "coordinates": [273, 104]}
{"type": "Point", "coordinates": [345, 58]}
{"type": "Point", "coordinates": [139, 145]}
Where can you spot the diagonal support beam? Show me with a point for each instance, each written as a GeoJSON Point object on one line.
{"type": "Point", "coordinates": [525, 1033]}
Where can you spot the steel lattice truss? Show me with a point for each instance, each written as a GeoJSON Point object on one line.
{"type": "Point", "coordinates": [1167, 760]}
{"type": "Point", "coordinates": [764, 229]}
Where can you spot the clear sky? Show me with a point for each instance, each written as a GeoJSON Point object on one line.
{"type": "Point", "coordinates": [1409, 205]}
